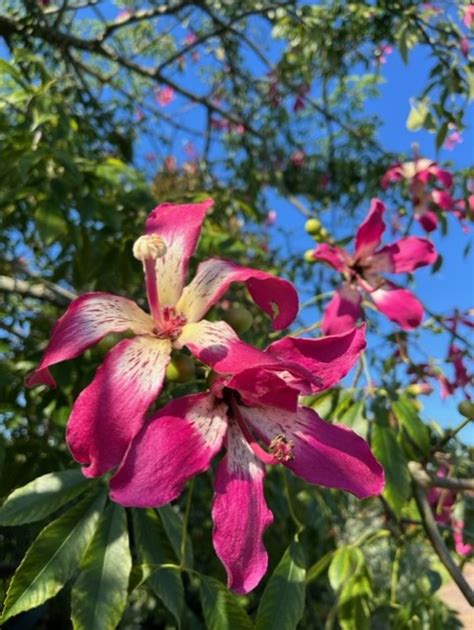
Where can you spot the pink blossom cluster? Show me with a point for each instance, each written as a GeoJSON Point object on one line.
{"type": "Point", "coordinates": [251, 409]}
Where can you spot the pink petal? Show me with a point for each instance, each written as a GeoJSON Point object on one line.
{"type": "Point", "coordinates": [329, 358]}
{"type": "Point", "coordinates": [393, 174]}
{"type": "Point", "coordinates": [370, 231]}
{"type": "Point", "coordinates": [176, 444]}
{"type": "Point", "coordinates": [240, 514]}
{"type": "Point", "coordinates": [270, 386]}
{"type": "Point", "coordinates": [334, 256]}
{"type": "Point", "coordinates": [399, 305]}
{"type": "Point", "coordinates": [277, 297]}
{"type": "Point", "coordinates": [442, 199]}
{"type": "Point", "coordinates": [342, 312]}
{"type": "Point", "coordinates": [110, 411]}
{"type": "Point", "coordinates": [325, 454]}
{"type": "Point", "coordinates": [179, 226]}
{"type": "Point", "coordinates": [428, 220]}
{"type": "Point", "coordinates": [217, 345]}
{"type": "Point", "coordinates": [409, 253]}
{"type": "Point", "coordinates": [88, 319]}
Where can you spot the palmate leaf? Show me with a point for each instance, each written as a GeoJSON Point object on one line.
{"type": "Point", "coordinates": [166, 583]}
{"type": "Point", "coordinates": [99, 595]}
{"type": "Point", "coordinates": [53, 558]}
{"type": "Point", "coordinates": [282, 603]}
{"type": "Point", "coordinates": [42, 497]}
{"type": "Point", "coordinates": [221, 608]}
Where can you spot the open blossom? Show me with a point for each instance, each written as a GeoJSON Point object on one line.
{"type": "Point", "coordinates": [112, 408]}
{"type": "Point", "coordinates": [442, 503]}
{"type": "Point", "coordinates": [382, 52]}
{"type": "Point", "coordinates": [164, 96]}
{"type": "Point", "coordinates": [420, 174]}
{"type": "Point", "coordinates": [468, 15]}
{"type": "Point", "coordinates": [362, 275]}
{"type": "Point", "coordinates": [453, 139]}
{"type": "Point", "coordinates": [255, 415]}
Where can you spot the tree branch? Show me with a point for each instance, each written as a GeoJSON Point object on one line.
{"type": "Point", "coordinates": [44, 290]}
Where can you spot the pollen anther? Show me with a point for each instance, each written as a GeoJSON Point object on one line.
{"type": "Point", "coordinates": [149, 247]}
{"type": "Point", "coordinates": [282, 448]}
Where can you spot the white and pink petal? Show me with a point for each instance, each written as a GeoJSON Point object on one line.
{"type": "Point", "coordinates": [176, 444]}
{"type": "Point", "coordinates": [277, 297]}
{"type": "Point", "coordinates": [179, 225]}
{"type": "Point", "coordinates": [88, 319]}
{"type": "Point", "coordinates": [111, 410]}
{"type": "Point", "coordinates": [240, 514]}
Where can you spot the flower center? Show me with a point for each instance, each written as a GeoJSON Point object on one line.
{"type": "Point", "coordinates": [149, 247]}
{"type": "Point", "coordinates": [171, 324]}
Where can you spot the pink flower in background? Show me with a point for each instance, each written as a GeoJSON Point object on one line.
{"type": "Point", "coordinates": [164, 96]}
{"type": "Point", "coordinates": [190, 39]}
{"type": "Point", "coordinates": [453, 139]}
{"type": "Point", "coordinates": [362, 275]}
{"type": "Point", "coordinates": [464, 46]}
{"type": "Point", "coordinates": [382, 52]}
{"type": "Point", "coordinates": [297, 158]}
{"type": "Point", "coordinates": [270, 218]}
{"type": "Point", "coordinates": [124, 14]}
{"type": "Point", "coordinates": [468, 15]}
{"type": "Point", "coordinates": [170, 164]}
{"type": "Point", "coordinates": [111, 410]}
{"type": "Point", "coordinates": [150, 156]}
{"type": "Point", "coordinates": [420, 174]}
{"type": "Point", "coordinates": [255, 415]}
{"type": "Point", "coordinates": [462, 548]}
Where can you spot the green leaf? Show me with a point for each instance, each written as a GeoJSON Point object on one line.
{"type": "Point", "coordinates": [221, 608]}
{"type": "Point", "coordinates": [346, 563]}
{"type": "Point", "coordinates": [417, 116]}
{"type": "Point", "coordinates": [42, 496]}
{"type": "Point", "coordinates": [354, 417]}
{"type": "Point", "coordinates": [407, 415]}
{"type": "Point", "coordinates": [99, 595]}
{"type": "Point", "coordinates": [282, 603]}
{"type": "Point", "coordinates": [51, 223]}
{"type": "Point", "coordinates": [166, 583]}
{"type": "Point", "coordinates": [441, 135]}
{"type": "Point", "coordinates": [53, 558]}
{"type": "Point", "coordinates": [173, 526]}
{"type": "Point", "coordinates": [397, 477]}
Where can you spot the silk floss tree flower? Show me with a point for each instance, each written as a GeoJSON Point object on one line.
{"type": "Point", "coordinates": [362, 275]}
{"type": "Point", "coordinates": [112, 408]}
{"type": "Point", "coordinates": [254, 413]}
{"type": "Point", "coordinates": [420, 174]}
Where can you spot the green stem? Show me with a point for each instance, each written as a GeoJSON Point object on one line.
{"type": "Point", "coordinates": [394, 577]}
{"type": "Point", "coordinates": [316, 299]}
{"type": "Point", "coordinates": [184, 532]}
{"type": "Point", "coordinates": [291, 509]}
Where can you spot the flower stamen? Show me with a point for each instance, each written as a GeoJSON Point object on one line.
{"type": "Point", "coordinates": [148, 248]}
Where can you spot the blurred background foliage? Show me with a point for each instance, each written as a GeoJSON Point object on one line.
{"type": "Point", "coordinates": [79, 111]}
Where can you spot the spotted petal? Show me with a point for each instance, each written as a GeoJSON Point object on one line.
{"type": "Point", "coordinates": [111, 410]}
{"type": "Point", "coordinates": [180, 227]}
{"type": "Point", "coordinates": [325, 454]}
{"type": "Point", "coordinates": [277, 297]}
{"type": "Point", "coordinates": [240, 514]}
{"type": "Point", "coordinates": [88, 319]}
{"type": "Point", "coordinates": [176, 444]}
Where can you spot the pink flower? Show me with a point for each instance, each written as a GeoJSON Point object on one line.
{"type": "Point", "coordinates": [190, 39]}
{"type": "Point", "coordinates": [256, 416]}
{"type": "Point", "coordinates": [362, 271]}
{"type": "Point", "coordinates": [297, 158]}
{"type": "Point", "coordinates": [164, 96]}
{"type": "Point", "coordinates": [462, 548]}
{"type": "Point", "coordinates": [419, 174]}
{"type": "Point", "coordinates": [270, 218]}
{"type": "Point", "coordinates": [453, 139]}
{"type": "Point", "coordinates": [170, 164]}
{"type": "Point", "coordinates": [111, 410]}
{"type": "Point", "coordinates": [468, 15]}
{"type": "Point", "coordinates": [382, 53]}
{"type": "Point", "coordinates": [464, 46]}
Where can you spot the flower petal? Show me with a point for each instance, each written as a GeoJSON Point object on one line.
{"type": "Point", "coordinates": [370, 232]}
{"type": "Point", "coordinates": [409, 253]}
{"type": "Point", "coordinates": [176, 444]}
{"type": "Point", "coordinates": [329, 358]}
{"type": "Point", "coordinates": [427, 219]}
{"type": "Point", "coordinates": [326, 454]}
{"type": "Point", "coordinates": [110, 411]}
{"type": "Point", "coordinates": [179, 226]}
{"type": "Point", "coordinates": [240, 514]}
{"type": "Point", "coordinates": [88, 319]}
{"type": "Point", "coordinates": [399, 305]}
{"type": "Point", "coordinates": [217, 345]}
{"type": "Point", "coordinates": [277, 297]}
{"type": "Point", "coordinates": [342, 312]}
{"type": "Point", "coordinates": [334, 256]}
